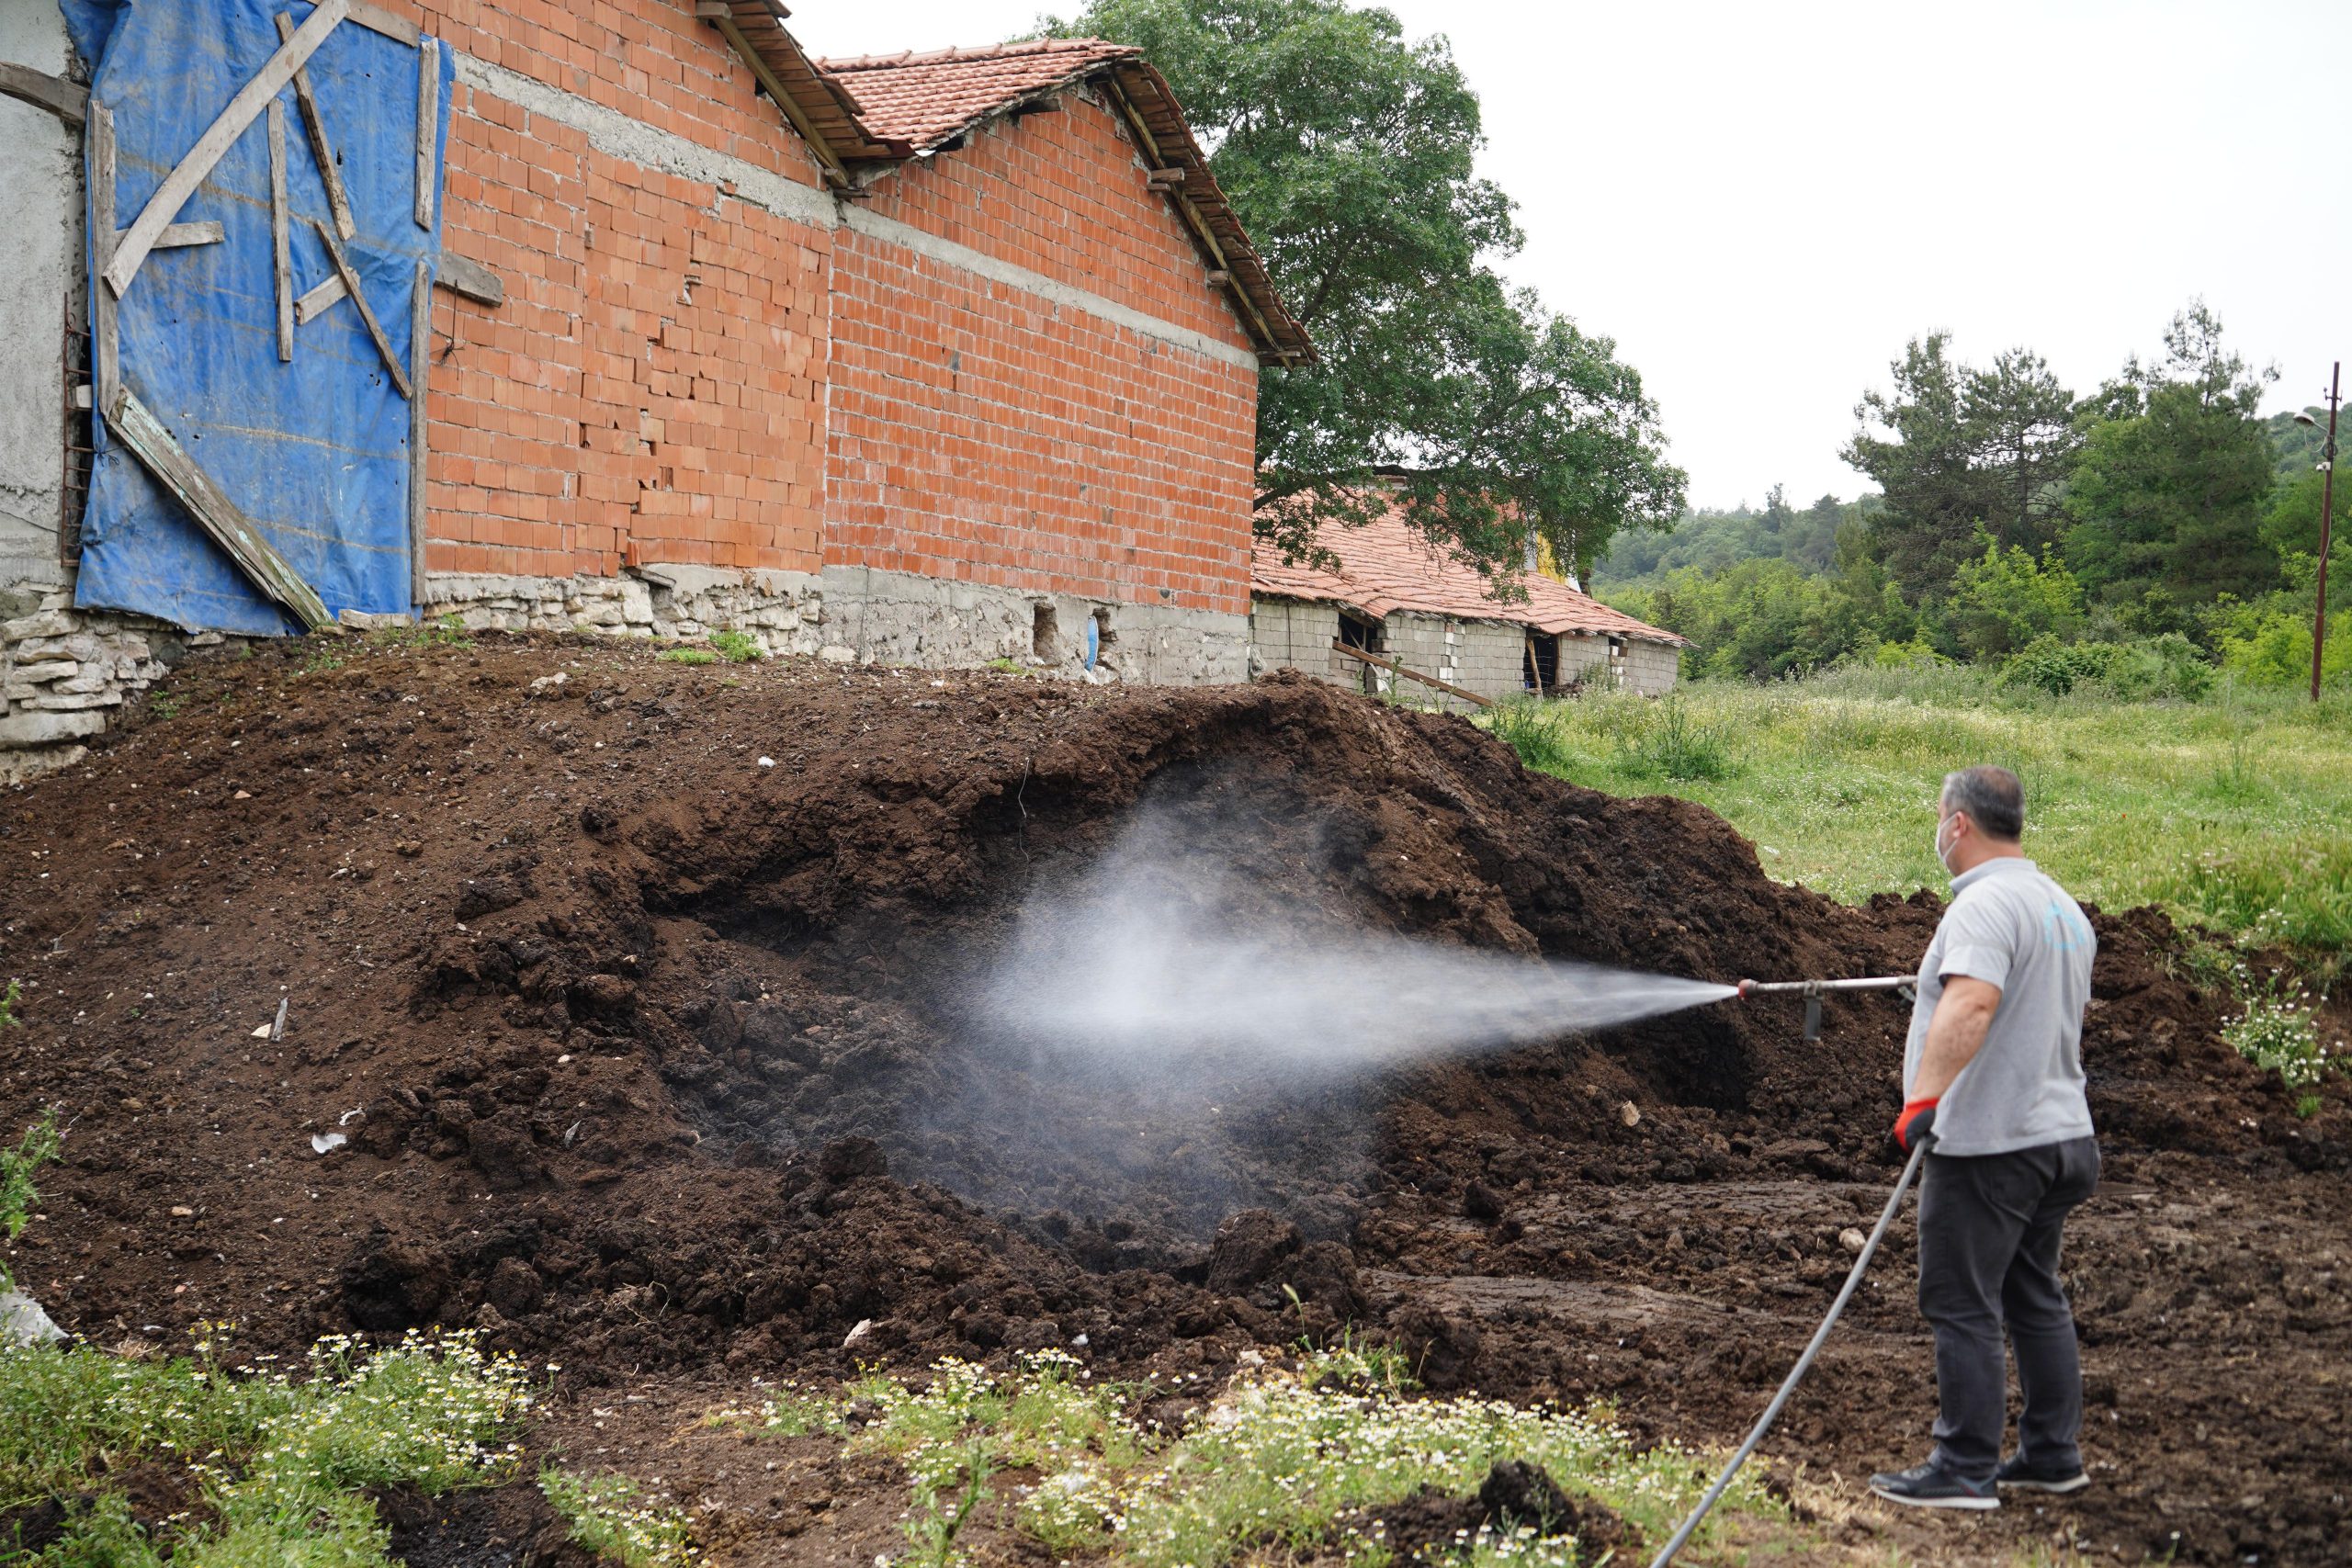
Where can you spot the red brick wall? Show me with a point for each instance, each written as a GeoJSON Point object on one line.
{"type": "Point", "coordinates": [676, 376]}
{"type": "Point", "coordinates": [652, 387]}
{"type": "Point", "coordinates": [979, 432]}
{"type": "Point", "coordinates": [1064, 194]}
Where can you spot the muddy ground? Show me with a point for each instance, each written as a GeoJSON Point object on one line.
{"type": "Point", "coordinates": [651, 987]}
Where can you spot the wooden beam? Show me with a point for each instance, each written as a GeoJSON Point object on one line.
{"type": "Point", "coordinates": [311, 305]}
{"type": "Point", "coordinates": [458, 274]}
{"type": "Point", "coordinates": [359, 298]}
{"type": "Point", "coordinates": [1192, 215]}
{"type": "Point", "coordinates": [209, 231]}
{"type": "Point", "coordinates": [428, 126]}
{"type": "Point", "coordinates": [376, 20]}
{"type": "Point", "coordinates": [218, 515]}
{"type": "Point", "coordinates": [321, 151]}
{"type": "Point", "coordinates": [181, 183]}
{"type": "Point", "coordinates": [105, 338]}
{"type": "Point", "coordinates": [1338, 647]}
{"type": "Point", "coordinates": [471, 279]}
{"type": "Point", "coordinates": [69, 101]}
{"type": "Point", "coordinates": [280, 235]}
{"type": "Point", "coordinates": [719, 14]}
{"type": "Point", "coordinates": [420, 361]}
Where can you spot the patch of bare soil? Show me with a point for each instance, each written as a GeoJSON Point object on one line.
{"type": "Point", "coordinates": [641, 994]}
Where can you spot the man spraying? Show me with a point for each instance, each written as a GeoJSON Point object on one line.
{"type": "Point", "coordinates": [1993, 1079]}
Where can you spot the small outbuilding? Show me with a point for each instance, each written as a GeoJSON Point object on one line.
{"type": "Point", "coordinates": [1398, 607]}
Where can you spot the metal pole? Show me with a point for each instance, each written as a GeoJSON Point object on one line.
{"type": "Point", "coordinates": [2326, 522]}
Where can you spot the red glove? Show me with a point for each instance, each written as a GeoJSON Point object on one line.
{"type": "Point", "coordinates": [1917, 1122]}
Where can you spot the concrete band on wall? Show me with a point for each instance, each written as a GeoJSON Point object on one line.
{"type": "Point", "coordinates": [611, 131]}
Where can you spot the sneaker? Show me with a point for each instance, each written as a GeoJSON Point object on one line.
{"type": "Point", "coordinates": [2014, 1472]}
{"type": "Point", "coordinates": [1931, 1486]}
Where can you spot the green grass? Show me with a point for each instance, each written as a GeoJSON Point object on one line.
{"type": "Point", "coordinates": [2234, 813]}
{"type": "Point", "coordinates": [687, 656]}
{"type": "Point", "coordinates": [276, 1468]}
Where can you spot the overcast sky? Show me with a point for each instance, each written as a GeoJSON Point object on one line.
{"type": "Point", "coordinates": [1761, 203]}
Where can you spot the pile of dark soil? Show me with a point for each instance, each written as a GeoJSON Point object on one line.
{"type": "Point", "coordinates": [638, 992]}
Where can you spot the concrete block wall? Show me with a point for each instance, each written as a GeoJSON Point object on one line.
{"type": "Point", "coordinates": [1485, 657]}
{"type": "Point", "coordinates": [41, 189]}
{"type": "Point", "coordinates": [1650, 668]}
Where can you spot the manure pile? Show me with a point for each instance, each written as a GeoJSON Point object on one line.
{"type": "Point", "coordinates": [667, 1001]}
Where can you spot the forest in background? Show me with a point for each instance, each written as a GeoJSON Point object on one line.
{"type": "Point", "coordinates": [2149, 537]}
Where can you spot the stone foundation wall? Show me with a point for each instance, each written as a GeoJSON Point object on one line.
{"type": "Point", "coordinates": [65, 673]}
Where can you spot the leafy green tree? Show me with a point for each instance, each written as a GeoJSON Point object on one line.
{"type": "Point", "coordinates": [2291, 528]}
{"type": "Point", "coordinates": [2006, 599]}
{"type": "Point", "coordinates": [1348, 151]}
{"type": "Point", "coordinates": [2167, 500]}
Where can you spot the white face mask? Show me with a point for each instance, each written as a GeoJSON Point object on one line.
{"type": "Point", "coordinates": [1943, 855]}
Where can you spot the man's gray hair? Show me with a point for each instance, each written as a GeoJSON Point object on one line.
{"type": "Point", "coordinates": [1993, 798]}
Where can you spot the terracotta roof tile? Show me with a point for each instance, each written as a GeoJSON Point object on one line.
{"type": "Point", "coordinates": [1387, 565]}
{"type": "Point", "coordinates": [925, 99]}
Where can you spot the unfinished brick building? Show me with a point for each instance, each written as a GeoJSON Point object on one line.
{"type": "Point", "coordinates": [927, 358]}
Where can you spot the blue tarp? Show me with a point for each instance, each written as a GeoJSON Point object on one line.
{"type": "Point", "coordinates": [315, 452]}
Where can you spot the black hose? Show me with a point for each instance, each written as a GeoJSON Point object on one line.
{"type": "Point", "coordinates": [1789, 1383]}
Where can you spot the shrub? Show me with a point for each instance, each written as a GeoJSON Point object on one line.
{"type": "Point", "coordinates": [2007, 600]}
{"type": "Point", "coordinates": [2167, 666]}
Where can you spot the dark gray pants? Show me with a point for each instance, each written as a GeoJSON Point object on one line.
{"type": "Point", "coordinates": [1989, 1229]}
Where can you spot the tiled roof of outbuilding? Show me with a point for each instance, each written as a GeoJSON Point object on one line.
{"type": "Point", "coordinates": [1387, 565]}
{"type": "Point", "coordinates": [925, 99]}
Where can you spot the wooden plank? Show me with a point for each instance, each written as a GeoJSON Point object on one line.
{"type": "Point", "coordinates": [376, 20]}
{"type": "Point", "coordinates": [209, 231]}
{"type": "Point", "coordinates": [428, 126]}
{"type": "Point", "coordinates": [1338, 647]}
{"type": "Point", "coordinates": [68, 101]}
{"type": "Point", "coordinates": [420, 360]}
{"type": "Point", "coordinates": [472, 279]}
{"type": "Point", "coordinates": [281, 233]}
{"type": "Point", "coordinates": [312, 304]}
{"type": "Point", "coordinates": [219, 517]}
{"type": "Point", "coordinates": [323, 151]}
{"type": "Point", "coordinates": [181, 183]}
{"type": "Point", "coordinates": [106, 339]}
{"type": "Point", "coordinates": [359, 298]}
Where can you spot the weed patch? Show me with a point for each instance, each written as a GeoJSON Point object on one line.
{"type": "Point", "coordinates": [687, 656]}
{"type": "Point", "coordinates": [611, 1516]}
{"type": "Point", "coordinates": [737, 647]}
{"type": "Point", "coordinates": [18, 1194]}
{"type": "Point", "coordinates": [1296, 1460]}
{"type": "Point", "coordinates": [280, 1467]}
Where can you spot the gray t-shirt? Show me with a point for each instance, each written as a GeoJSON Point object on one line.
{"type": "Point", "coordinates": [2010, 926]}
